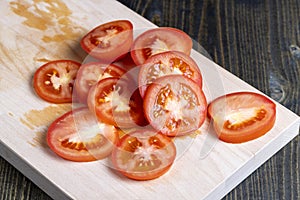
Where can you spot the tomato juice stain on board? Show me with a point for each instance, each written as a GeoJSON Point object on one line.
{"type": "Point", "coordinates": [47, 16]}
{"type": "Point", "coordinates": [37, 118]}
{"type": "Point", "coordinates": [193, 135]}
{"type": "Point", "coordinates": [39, 139]}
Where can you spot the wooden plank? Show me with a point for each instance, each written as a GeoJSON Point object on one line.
{"type": "Point", "coordinates": [207, 169]}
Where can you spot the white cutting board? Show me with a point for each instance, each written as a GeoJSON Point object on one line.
{"type": "Point", "coordinates": [34, 32]}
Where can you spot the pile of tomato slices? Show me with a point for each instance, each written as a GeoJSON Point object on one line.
{"type": "Point", "coordinates": [135, 97]}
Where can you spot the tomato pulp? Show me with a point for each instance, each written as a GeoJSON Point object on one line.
{"type": "Point", "coordinates": [78, 136]}
{"type": "Point", "coordinates": [54, 80]}
{"type": "Point", "coordinates": [168, 63]}
{"type": "Point", "coordinates": [118, 102]}
{"type": "Point", "coordinates": [242, 116]}
{"type": "Point", "coordinates": [159, 40]}
{"type": "Point", "coordinates": [90, 73]}
{"type": "Point", "coordinates": [175, 105]}
{"type": "Point", "coordinates": [144, 155]}
{"type": "Point", "coordinates": [110, 41]}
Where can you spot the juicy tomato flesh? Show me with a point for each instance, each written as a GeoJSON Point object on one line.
{"type": "Point", "coordinates": [175, 105]}
{"type": "Point", "coordinates": [54, 80]}
{"type": "Point", "coordinates": [109, 41]}
{"type": "Point", "coordinates": [168, 63]}
{"type": "Point", "coordinates": [103, 39]}
{"type": "Point", "coordinates": [78, 136]}
{"type": "Point", "coordinates": [242, 116]}
{"type": "Point", "coordinates": [91, 73]}
{"type": "Point", "coordinates": [159, 40]}
{"type": "Point", "coordinates": [115, 102]}
{"type": "Point", "coordinates": [144, 155]}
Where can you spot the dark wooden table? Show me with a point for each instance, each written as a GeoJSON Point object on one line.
{"type": "Point", "coordinates": [255, 40]}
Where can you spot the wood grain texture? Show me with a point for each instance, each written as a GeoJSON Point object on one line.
{"type": "Point", "coordinates": [252, 39]}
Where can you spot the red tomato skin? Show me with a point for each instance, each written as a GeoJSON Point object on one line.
{"type": "Point", "coordinates": [123, 42]}
{"type": "Point", "coordinates": [76, 157]}
{"type": "Point", "coordinates": [179, 39]}
{"type": "Point", "coordinates": [43, 91]}
{"type": "Point", "coordinates": [150, 98]}
{"type": "Point", "coordinates": [166, 57]}
{"type": "Point", "coordinates": [245, 135]}
{"type": "Point", "coordinates": [148, 175]}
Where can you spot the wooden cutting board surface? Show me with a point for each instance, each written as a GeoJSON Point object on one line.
{"type": "Point", "coordinates": [34, 32]}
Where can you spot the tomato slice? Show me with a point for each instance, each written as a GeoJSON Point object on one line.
{"type": "Point", "coordinates": [116, 101]}
{"type": "Point", "coordinates": [109, 41]}
{"type": "Point", "coordinates": [242, 116]}
{"type": "Point", "coordinates": [175, 105]}
{"type": "Point", "coordinates": [78, 136]}
{"type": "Point", "coordinates": [90, 73]}
{"type": "Point", "coordinates": [144, 155]}
{"type": "Point", "coordinates": [159, 40]}
{"type": "Point", "coordinates": [54, 80]}
{"type": "Point", "coordinates": [168, 63]}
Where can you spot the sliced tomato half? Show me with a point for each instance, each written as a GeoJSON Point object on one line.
{"type": "Point", "coordinates": [175, 105]}
{"type": "Point", "coordinates": [78, 136]}
{"type": "Point", "coordinates": [109, 41]}
{"type": "Point", "coordinates": [118, 102]}
{"type": "Point", "coordinates": [167, 63]}
{"type": "Point", "coordinates": [159, 40]}
{"type": "Point", "coordinates": [242, 116]}
{"type": "Point", "coordinates": [90, 73]}
{"type": "Point", "coordinates": [144, 155]}
{"type": "Point", "coordinates": [54, 80]}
